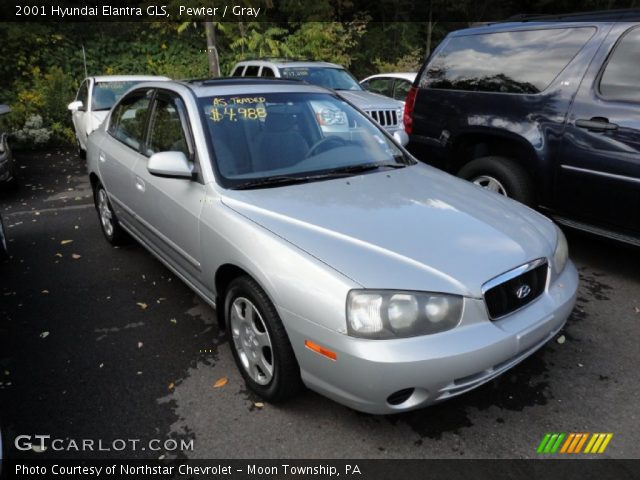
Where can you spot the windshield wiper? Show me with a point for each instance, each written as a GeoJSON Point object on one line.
{"type": "Point", "coordinates": [282, 180]}
{"type": "Point", "coordinates": [279, 180]}
{"type": "Point", "coordinates": [365, 167]}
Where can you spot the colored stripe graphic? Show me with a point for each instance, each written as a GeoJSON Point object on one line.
{"type": "Point", "coordinates": [598, 442]}
{"type": "Point", "coordinates": [573, 443]}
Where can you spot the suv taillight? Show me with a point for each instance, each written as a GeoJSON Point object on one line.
{"type": "Point", "coordinates": [409, 103]}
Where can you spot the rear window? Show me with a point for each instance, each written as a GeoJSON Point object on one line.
{"type": "Point", "coordinates": [507, 62]}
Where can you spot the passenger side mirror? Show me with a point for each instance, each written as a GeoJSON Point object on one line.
{"type": "Point", "coordinates": [170, 165]}
{"type": "Point", "coordinates": [401, 137]}
{"type": "Point", "coordinates": [75, 106]}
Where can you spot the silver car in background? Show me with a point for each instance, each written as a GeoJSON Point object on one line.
{"type": "Point", "coordinates": [333, 259]}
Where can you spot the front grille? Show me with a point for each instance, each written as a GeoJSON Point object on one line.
{"type": "Point", "coordinates": [515, 289]}
{"type": "Point", "coordinates": [386, 118]}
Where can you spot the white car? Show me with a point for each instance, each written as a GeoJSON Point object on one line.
{"type": "Point", "coordinates": [95, 98]}
{"type": "Point", "coordinates": [394, 85]}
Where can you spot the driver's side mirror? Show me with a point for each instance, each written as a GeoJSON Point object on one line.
{"type": "Point", "coordinates": [401, 137]}
{"type": "Point", "coordinates": [170, 165]}
{"type": "Point", "coordinates": [76, 106]}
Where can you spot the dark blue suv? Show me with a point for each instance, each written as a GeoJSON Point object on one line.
{"type": "Point", "coordinates": [546, 112]}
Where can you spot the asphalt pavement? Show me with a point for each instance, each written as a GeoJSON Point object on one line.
{"type": "Point", "coordinates": [104, 343]}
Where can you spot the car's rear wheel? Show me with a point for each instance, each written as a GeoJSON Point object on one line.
{"type": "Point", "coordinates": [259, 342]}
{"type": "Point", "coordinates": [501, 175]}
{"type": "Point", "coordinates": [111, 229]}
{"type": "Point", "coordinates": [82, 153]}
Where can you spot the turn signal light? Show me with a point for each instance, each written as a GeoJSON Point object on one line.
{"type": "Point", "coordinates": [321, 350]}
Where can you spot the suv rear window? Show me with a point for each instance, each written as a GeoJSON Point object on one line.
{"type": "Point", "coordinates": [508, 62]}
{"type": "Point", "coordinates": [621, 77]}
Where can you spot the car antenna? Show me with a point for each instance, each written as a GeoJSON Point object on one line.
{"type": "Point", "coordinates": [84, 58]}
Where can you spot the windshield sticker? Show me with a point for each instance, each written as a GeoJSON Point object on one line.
{"type": "Point", "coordinates": [233, 114]}
{"type": "Point", "coordinates": [223, 102]}
{"type": "Point", "coordinates": [295, 72]}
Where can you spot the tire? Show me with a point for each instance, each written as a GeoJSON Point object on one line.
{"type": "Point", "coordinates": [4, 252]}
{"type": "Point", "coordinates": [81, 153]}
{"type": "Point", "coordinates": [501, 175]}
{"type": "Point", "coordinates": [109, 224]}
{"type": "Point", "coordinates": [259, 342]}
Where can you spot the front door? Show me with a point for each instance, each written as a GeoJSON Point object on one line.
{"type": "Point", "coordinates": [79, 116]}
{"type": "Point", "coordinates": [120, 151]}
{"type": "Point", "coordinates": [168, 209]}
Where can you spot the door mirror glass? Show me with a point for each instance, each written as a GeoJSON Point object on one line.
{"type": "Point", "coordinates": [171, 165]}
{"type": "Point", "coordinates": [76, 106]}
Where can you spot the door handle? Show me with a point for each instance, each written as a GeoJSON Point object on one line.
{"type": "Point", "coordinates": [140, 185]}
{"type": "Point", "coordinates": [102, 158]}
{"type": "Point", "coordinates": [596, 124]}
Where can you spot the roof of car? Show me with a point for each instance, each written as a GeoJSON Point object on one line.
{"type": "Point", "coordinates": [411, 76]}
{"type": "Point", "coordinates": [128, 78]}
{"type": "Point", "coordinates": [561, 20]}
{"type": "Point", "coordinates": [281, 63]}
{"type": "Point", "coordinates": [247, 85]}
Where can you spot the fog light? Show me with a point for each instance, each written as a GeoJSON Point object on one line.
{"type": "Point", "coordinates": [400, 396]}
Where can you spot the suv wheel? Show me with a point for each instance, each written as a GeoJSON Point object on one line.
{"type": "Point", "coordinates": [500, 175]}
{"type": "Point", "coordinates": [259, 342]}
{"type": "Point", "coordinates": [111, 229]}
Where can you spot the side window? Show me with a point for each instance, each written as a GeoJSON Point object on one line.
{"type": "Point", "coordinates": [621, 77]}
{"type": "Point", "coordinates": [381, 86]}
{"type": "Point", "coordinates": [524, 61]}
{"type": "Point", "coordinates": [400, 89]}
{"type": "Point", "coordinates": [238, 71]}
{"type": "Point", "coordinates": [129, 118]}
{"type": "Point", "coordinates": [252, 71]}
{"type": "Point", "coordinates": [83, 94]}
{"type": "Point", "coordinates": [166, 127]}
{"type": "Point", "coordinates": [267, 72]}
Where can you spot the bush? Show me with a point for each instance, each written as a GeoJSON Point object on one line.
{"type": "Point", "coordinates": [39, 116]}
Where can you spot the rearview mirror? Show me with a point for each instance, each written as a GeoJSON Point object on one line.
{"type": "Point", "coordinates": [171, 165]}
{"type": "Point", "coordinates": [75, 106]}
{"type": "Point", "coordinates": [401, 137]}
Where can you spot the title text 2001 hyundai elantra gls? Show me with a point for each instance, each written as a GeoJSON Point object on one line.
{"type": "Point", "coordinates": [333, 258]}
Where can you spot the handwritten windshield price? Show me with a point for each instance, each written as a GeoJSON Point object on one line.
{"type": "Point", "coordinates": [242, 113]}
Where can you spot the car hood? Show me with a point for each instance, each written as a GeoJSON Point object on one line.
{"type": "Point", "coordinates": [369, 100]}
{"type": "Point", "coordinates": [414, 228]}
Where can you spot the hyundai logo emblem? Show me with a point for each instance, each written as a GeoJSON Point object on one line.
{"type": "Point", "coordinates": [523, 291]}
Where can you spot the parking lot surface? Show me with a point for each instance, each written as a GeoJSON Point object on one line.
{"type": "Point", "coordinates": [105, 343]}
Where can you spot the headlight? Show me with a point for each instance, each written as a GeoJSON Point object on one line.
{"type": "Point", "coordinates": [561, 254]}
{"type": "Point", "coordinates": [397, 314]}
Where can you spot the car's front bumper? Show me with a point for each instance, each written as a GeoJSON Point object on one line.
{"type": "Point", "coordinates": [436, 367]}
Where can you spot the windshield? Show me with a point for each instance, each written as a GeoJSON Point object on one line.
{"type": "Point", "coordinates": [327, 77]}
{"type": "Point", "coordinates": [106, 94]}
{"type": "Point", "coordinates": [293, 135]}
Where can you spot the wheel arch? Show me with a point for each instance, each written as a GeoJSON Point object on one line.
{"type": "Point", "coordinates": [471, 145]}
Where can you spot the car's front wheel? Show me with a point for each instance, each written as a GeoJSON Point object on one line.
{"type": "Point", "coordinates": [259, 342]}
{"type": "Point", "coordinates": [111, 229]}
{"type": "Point", "coordinates": [501, 175]}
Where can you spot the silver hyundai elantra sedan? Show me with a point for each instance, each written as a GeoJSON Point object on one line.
{"type": "Point", "coordinates": [333, 258]}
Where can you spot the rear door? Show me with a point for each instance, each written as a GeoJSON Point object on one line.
{"type": "Point", "coordinates": [599, 169]}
